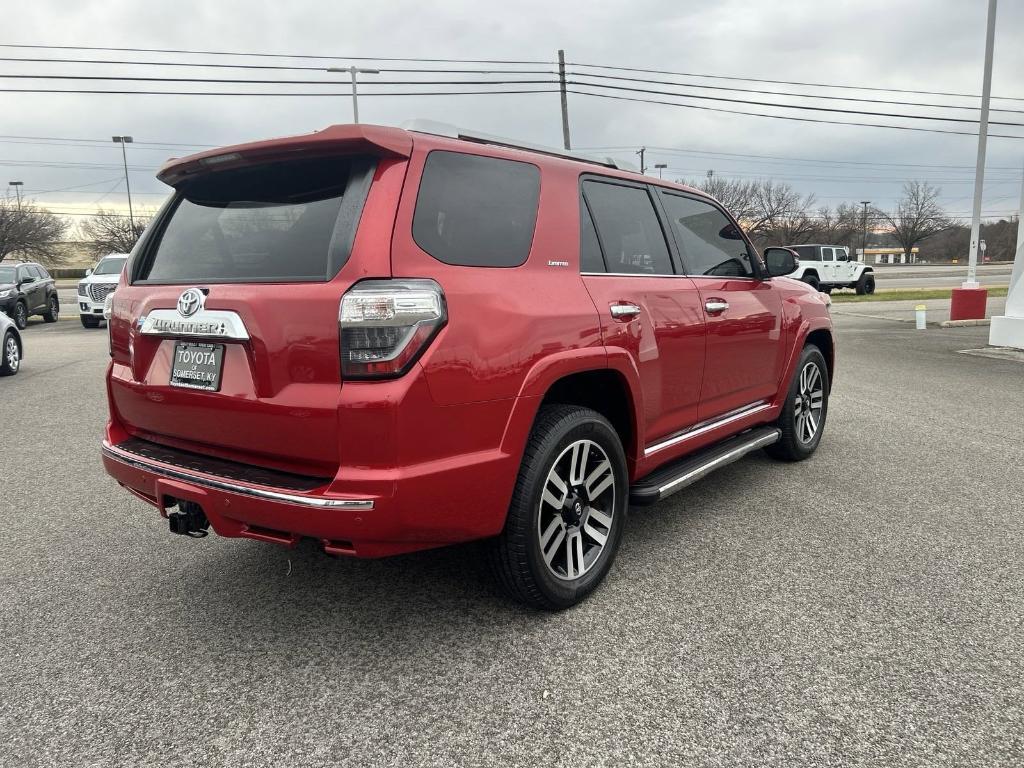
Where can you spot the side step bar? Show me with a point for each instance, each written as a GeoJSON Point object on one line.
{"type": "Point", "coordinates": [689, 469]}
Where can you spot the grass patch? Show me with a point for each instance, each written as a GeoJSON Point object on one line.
{"type": "Point", "coordinates": [910, 294]}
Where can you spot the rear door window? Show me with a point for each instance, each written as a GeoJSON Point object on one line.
{"type": "Point", "coordinates": [807, 252]}
{"type": "Point", "coordinates": [280, 222]}
{"type": "Point", "coordinates": [628, 228]}
{"type": "Point", "coordinates": [709, 243]}
{"type": "Point", "coordinates": [475, 211]}
{"type": "Point", "coordinates": [591, 259]}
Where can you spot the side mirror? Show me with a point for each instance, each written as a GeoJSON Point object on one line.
{"type": "Point", "coordinates": [88, 271]}
{"type": "Point", "coordinates": [780, 261]}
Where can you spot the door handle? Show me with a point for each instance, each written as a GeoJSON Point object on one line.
{"type": "Point", "coordinates": [624, 311]}
{"type": "Point", "coordinates": [714, 306]}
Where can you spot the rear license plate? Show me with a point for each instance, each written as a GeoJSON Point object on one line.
{"type": "Point", "coordinates": [197, 365]}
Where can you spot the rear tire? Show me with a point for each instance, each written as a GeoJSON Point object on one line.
{"type": "Point", "coordinates": [567, 513]}
{"type": "Point", "coordinates": [866, 284]}
{"type": "Point", "coordinates": [10, 355]}
{"type": "Point", "coordinates": [89, 322]}
{"type": "Point", "coordinates": [802, 420]}
{"type": "Point", "coordinates": [20, 316]}
{"type": "Point", "coordinates": [52, 313]}
{"type": "Point", "coordinates": [811, 280]}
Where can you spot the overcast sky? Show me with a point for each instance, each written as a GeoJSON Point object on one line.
{"type": "Point", "coordinates": [934, 45]}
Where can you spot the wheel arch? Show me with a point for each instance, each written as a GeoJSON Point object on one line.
{"type": "Point", "coordinates": [822, 339]}
{"type": "Point", "coordinates": [603, 390]}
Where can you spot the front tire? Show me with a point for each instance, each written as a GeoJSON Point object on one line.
{"type": "Point", "coordinates": [567, 513]}
{"type": "Point", "coordinates": [866, 284]}
{"type": "Point", "coordinates": [88, 321]}
{"type": "Point", "coordinates": [20, 316]}
{"type": "Point", "coordinates": [802, 420]}
{"type": "Point", "coordinates": [10, 355]}
{"type": "Point", "coordinates": [52, 313]}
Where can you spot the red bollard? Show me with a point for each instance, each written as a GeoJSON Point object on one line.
{"type": "Point", "coordinates": [968, 304]}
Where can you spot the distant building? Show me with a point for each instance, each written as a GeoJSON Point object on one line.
{"type": "Point", "coordinates": [888, 255]}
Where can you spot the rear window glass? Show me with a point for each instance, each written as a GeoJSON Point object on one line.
{"type": "Point", "coordinates": [272, 223]}
{"type": "Point", "coordinates": [806, 252]}
{"type": "Point", "coordinates": [476, 211]}
{"type": "Point", "coordinates": [630, 234]}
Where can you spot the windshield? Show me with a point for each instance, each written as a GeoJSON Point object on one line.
{"type": "Point", "coordinates": [110, 266]}
{"type": "Point", "coordinates": [7, 274]}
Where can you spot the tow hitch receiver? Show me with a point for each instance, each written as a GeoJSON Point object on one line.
{"type": "Point", "coordinates": [189, 520]}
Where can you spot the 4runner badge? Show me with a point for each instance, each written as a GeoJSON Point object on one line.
{"type": "Point", "coordinates": [190, 302]}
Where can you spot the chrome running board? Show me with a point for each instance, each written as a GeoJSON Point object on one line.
{"type": "Point", "coordinates": [688, 470]}
{"type": "Point", "coordinates": [706, 426]}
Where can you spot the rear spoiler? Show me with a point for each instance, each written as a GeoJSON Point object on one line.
{"type": "Point", "coordinates": [347, 139]}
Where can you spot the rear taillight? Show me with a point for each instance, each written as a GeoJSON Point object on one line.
{"type": "Point", "coordinates": [386, 324]}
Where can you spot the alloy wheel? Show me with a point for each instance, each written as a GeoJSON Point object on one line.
{"type": "Point", "coordinates": [810, 400]}
{"type": "Point", "coordinates": [11, 354]}
{"type": "Point", "coordinates": [577, 508]}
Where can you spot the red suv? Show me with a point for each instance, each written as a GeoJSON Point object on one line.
{"type": "Point", "coordinates": [388, 340]}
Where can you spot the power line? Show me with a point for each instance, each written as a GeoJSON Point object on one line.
{"type": "Point", "coordinates": [803, 107]}
{"type": "Point", "coordinates": [788, 117]}
{"type": "Point", "coordinates": [786, 158]}
{"type": "Point", "coordinates": [273, 67]}
{"type": "Point", "coordinates": [270, 94]}
{"type": "Point", "coordinates": [153, 79]}
{"type": "Point", "coordinates": [784, 93]}
{"type": "Point", "coordinates": [789, 82]}
{"type": "Point", "coordinates": [274, 55]}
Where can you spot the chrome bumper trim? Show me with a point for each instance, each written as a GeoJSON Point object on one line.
{"type": "Point", "coordinates": [207, 481]}
{"type": "Point", "coordinates": [706, 426]}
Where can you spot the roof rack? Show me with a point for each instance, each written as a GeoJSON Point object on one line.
{"type": "Point", "coordinates": [437, 128]}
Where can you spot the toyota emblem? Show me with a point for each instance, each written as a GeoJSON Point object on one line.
{"type": "Point", "coordinates": [190, 302]}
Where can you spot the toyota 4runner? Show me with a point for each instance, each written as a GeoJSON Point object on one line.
{"type": "Point", "coordinates": [387, 340]}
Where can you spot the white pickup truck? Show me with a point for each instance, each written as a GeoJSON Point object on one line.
{"type": "Point", "coordinates": [829, 266]}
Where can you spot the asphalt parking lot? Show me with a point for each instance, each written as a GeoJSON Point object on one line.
{"type": "Point", "coordinates": [861, 608]}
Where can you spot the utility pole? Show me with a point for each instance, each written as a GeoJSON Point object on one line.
{"type": "Point", "coordinates": [565, 98]}
{"type": "Point", "coordinates": [979, 171]}
{"type": "Point", "coordinates": [641, 151]}
{"type": "Point", "coordinates": [122, 140]}
{"type": "Point", "coordinates": [17, 190]}
{"type": "Point", "coordinates": [354, 72]}
{"type": "Point", "coordinates": [660, 167]}
{"type": "Point", "coordinates": [864, 239]}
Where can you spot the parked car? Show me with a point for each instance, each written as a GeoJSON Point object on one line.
{"type": "Point", "coordinates": [97, 284]}
{"type": "Point", "coordinates": [388, 340]}
{"type": "Point", "coordinates": [11, 349]}
{"type": "Point", "coordinates": [27, 289]}
{"type": "Point", "coordinates": [826, 267]}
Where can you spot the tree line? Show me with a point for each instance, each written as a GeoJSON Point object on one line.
{"type": "Point", "coordinates": [773, 213]}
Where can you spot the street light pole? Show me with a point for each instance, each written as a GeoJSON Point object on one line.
{"type": "Point", "coordinates": [979, 171]}
{"type": "Point", "coordinates": [122, 140]}
{"type": "Point", "coordinates": [17, 190]}
{"type": "Point", "coordinates": [864, 238]}
{"type": "Point", "coordinates": [660, 167]}
{"type": "Point", "coordinates": [354, 72]}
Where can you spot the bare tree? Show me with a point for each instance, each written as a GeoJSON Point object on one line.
{"type": "Point", "coordinates": [781, 216]}
{"type": "Point", "coordinates": [736, 195]}
{"type": "Point", "coordinates": [841, 226]}
{"type": "Point", "coordinates": [917, 215]}
{"type": "Point", "coordinates": [109, 232]}
{"type": "Point", "coordinates": [30, 231]}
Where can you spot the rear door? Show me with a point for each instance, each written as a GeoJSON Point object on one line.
{"type": "Point", "coordinates": [226, 340]}
{"type": "Point", "coordinates": [645, 307]}
{"type": "Point", "coordinates": [743, 313]}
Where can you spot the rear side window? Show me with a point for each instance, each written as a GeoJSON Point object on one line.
{"type": "Point", "coordinates": [39, 272]}
{"type": "Point", "coordinates": [475, 211]}
{"type": "Point", "coordinates": [709, 243]}
{"type": "Point", "coordinates": [628, 228]}
{"type": "Point", "coordinates": [807, 252]}
{"type": "Point", "coordinates": [280, 222]}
